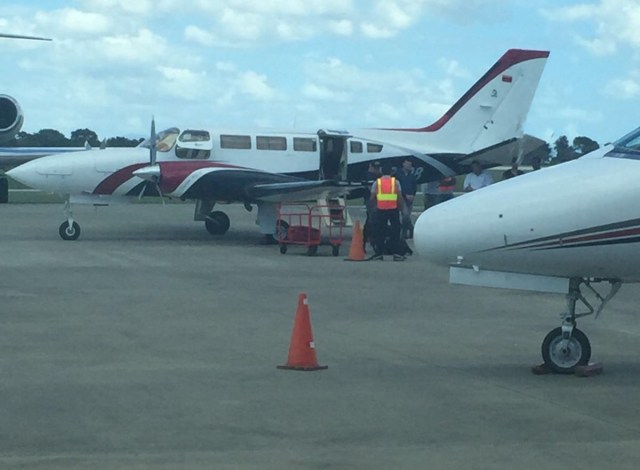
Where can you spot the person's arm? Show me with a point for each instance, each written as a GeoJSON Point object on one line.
{"type": "Point", "coordinates": [372, 197]}
{"type": "Point", "coordinates": [401, 204]}
{"type": "Point", "coordinates": [467, 185]}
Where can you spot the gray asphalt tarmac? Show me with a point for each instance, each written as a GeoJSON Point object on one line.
{"type": "Point", "coordinates": [149, 344]}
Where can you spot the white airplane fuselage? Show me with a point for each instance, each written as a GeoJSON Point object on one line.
{"type": "Point", "coordinates": [579, 219]}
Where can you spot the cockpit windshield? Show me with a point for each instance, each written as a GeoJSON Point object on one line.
{"type": "Point", "coordinates": [631, 141]}
{"type": "Point", "coordinates": [165, 140]}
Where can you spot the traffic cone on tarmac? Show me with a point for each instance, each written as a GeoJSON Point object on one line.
{"type": "Point", "coordinates": [302, 352]}
{"type": "Point", "coordinates": [356, 250]}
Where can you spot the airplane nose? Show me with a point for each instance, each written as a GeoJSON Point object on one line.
{"type": "Point", "coordinates": [432, 234]}
{"type": "Point", "coordinates": [22, 174]}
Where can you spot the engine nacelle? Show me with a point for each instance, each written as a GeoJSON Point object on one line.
{"type": "Point", "coordinates": [11, 117]}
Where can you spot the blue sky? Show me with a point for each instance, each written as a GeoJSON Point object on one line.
{"type": "Point", "coordinates": [313, 63]}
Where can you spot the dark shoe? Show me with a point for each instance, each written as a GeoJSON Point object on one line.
{"type": "Point", "coordinates": [376, 258]}
{"type": "Point", "coordinates": [398, 258]}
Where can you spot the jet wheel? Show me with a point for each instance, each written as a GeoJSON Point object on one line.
{"type": "Point", "coordinates": [69, 232]}
{"type": "Point", "coordinates": [562, 356]}
{"type": "Point", "coordinates": [217, 223]}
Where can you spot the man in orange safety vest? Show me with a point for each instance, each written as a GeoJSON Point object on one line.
{"type": "Point", "coordinates": [386, 197]}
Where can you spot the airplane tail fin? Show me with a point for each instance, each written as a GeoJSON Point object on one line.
{"type": "Point", "coordinates": [492, 111]}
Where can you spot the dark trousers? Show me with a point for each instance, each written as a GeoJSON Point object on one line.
{"type": "Point", "coordinates": [387, 224]}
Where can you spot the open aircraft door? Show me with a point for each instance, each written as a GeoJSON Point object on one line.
{"type": "Point", "coordinates": [333, 154]}
{"type": "Point", "coordinates": [333, 166]}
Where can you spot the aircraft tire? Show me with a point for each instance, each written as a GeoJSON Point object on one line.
{"type": "Point", "coordinates": [217, 223]}
{"type": "Point", "coordinates": [563, 360]}
{"type": "Point", "coordinates": [69, 233]}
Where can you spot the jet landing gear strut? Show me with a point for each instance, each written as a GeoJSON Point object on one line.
{"type": "Point", "coordinates": [566, 347]}
{"type": "Point", "coordinates": [69, 229]}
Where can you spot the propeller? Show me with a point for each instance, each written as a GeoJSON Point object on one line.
{"type": "Point", "coordinates": [151, 173]}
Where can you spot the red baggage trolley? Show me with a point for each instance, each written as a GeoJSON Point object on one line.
{"type": "Point", "coordinates": [311, 226]}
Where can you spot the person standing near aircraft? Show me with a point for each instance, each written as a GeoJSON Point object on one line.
{"type": "Point", "coordinates": [477, 179]}
{"type": "Point", "coordinates": [407, 179]}
{"type": "Point", "coordinates": [373, 173]}
{"type": "Point", "coordinates": [431, 194]}
{"type": "Point", "coordinates": [536, 163]}
{"type": "Point", "coordinates": [513, 171]}
{"type": "Point", "coordinates": [447, 186]}
{"type": "Point", "coordinates": [386, 196]}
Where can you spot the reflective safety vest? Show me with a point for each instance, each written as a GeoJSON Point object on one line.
{"type": "Point", "coordinates": [386, 193]}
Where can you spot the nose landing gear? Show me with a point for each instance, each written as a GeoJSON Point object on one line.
{"type": "Point", "coordinates": [69, 229]}
{"type": "Point", "coordinates": [566, 347]}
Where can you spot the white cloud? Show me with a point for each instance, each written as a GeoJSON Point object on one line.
{"type": "Point", "coordinates": [341, 27]}
{"type": "Point", "coordinates": [256, 85]}
{"type": "Point", "coordinates": [617, 22]}
{"type": "Point", "coordinates": [453, 68]}
{"type": "Point", "coordinates": [624, 89]}
{"type": "Point", "coordinates": [323, 93]}
{"type": "Point", "coordinates": [142, 47]}
{"type": "Point", "coordinates": [70, 21]}
{"type": "Point", "coordinates": [199, 35]}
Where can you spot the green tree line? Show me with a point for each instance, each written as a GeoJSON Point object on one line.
{"type": "Point", "coordinates": [78, 138]}
{"type": "Point", "coordinates": [562, 151]}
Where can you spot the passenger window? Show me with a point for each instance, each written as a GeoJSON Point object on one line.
{"type": "Point", "coordinates": [194, 136]}
{"type": "Point", "coordinates": [305, 144]}
{"type": "Point", "coordinates": [355, 146]}
{"type": "Point", "coordinates": [235, 142]}
{"type": "Point", "coordinates": [271, 143]}
{"type": "Point", "coordinates": [374, 148]}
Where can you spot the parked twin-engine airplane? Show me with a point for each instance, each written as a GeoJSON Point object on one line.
{"type": "Point", "coordinates": [553, 230]}
{"type": "Point", "coordinates": [267, 167]}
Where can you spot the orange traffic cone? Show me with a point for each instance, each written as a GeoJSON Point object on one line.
{"type": "Point", "coordinates": [302, 352]}
{"type": "Point", "coordinates": [356, 250]}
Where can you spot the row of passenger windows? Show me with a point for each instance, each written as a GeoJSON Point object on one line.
{"type": "Point", "coordinates": [300, 144]}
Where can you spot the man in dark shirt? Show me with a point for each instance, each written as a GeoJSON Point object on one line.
{"type": "Point", "coordinates": [407, 178]}
{"type": "Point", "coordinates": [513, 171]}
{"type": "Point", "coordinates": [373, 173]}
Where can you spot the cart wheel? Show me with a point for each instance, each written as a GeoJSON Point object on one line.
{"type": "Point", "coordinates": [335, 250]}
{"type": "Point", "coordinates": [312, 250]}
{"type": "Point", "coordinates": [283, 249]}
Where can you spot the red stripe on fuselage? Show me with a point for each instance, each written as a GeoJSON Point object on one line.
{"type": "Point", "coordinates": [172, 175]}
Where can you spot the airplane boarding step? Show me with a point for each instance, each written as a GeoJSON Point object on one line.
{"type": "Point", "coordinates": [324, 206]}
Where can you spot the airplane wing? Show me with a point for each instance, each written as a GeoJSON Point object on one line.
{"type": "Point", "coordinates": [21, 36]}
{"type": "Point", "coordinates": [222, 182]}
{"type": "Point", "coordinates": [301, 190]}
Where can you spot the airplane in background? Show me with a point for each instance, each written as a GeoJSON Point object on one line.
{"type": "Point", "coordinates": [268, 167]}
{"type": "Point", "coordinates": [559, 229]}
{"type": "Point", "coordinates": [11, 120]}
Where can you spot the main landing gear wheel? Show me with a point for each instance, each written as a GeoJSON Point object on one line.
{"type": "Point", "coordinates": [217, 223]}
{"type": "Point", "coordinates": [563, 355]}
{"type": "Point", "coordinates": [69, 232]}
{"type": "Point", "coordinates": [282, 230]}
